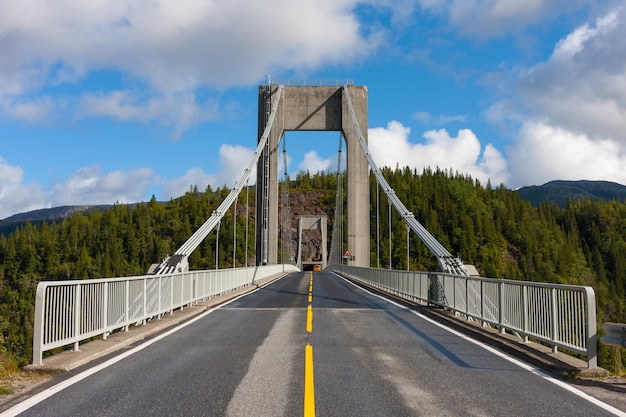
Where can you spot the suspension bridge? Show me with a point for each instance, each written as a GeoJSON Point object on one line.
{"type": "Point", "coordinates": [316, 108]}
{"type": "Point", "coordinates": [274, 340]}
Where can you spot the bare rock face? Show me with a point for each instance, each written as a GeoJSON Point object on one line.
{"type": "Point", "coordinates": [305, 203]}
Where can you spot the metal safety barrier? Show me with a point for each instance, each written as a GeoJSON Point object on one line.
{"type": "Point", "coordinates": [615, 334]}
{"type": "Point", "coordinates": [562, 316]}
{"type": "Point", "coordinates": [312, 82]}
{"type": "Point", "coordinates": [68, 312]}
{"type": "Point", "coordinates": [413, 286]}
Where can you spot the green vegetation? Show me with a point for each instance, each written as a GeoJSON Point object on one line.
{"type": "Point", "coordinates": [120, 241]}
{"type": "Point", "coordinates": [491, 228]}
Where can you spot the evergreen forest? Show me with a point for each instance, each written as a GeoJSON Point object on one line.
{"type": "Point", "coordinates": [492, 228]}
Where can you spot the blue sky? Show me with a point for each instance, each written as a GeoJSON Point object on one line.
{"type": "Point", "coordinates": [116, 101]}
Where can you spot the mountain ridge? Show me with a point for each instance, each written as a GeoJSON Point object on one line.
{"type": "Point", "coordinates": [47, 214]}
{"type": "Point", "coordinates": [558, 191]}
{"type": "Point", "coordinates": [561, 191]}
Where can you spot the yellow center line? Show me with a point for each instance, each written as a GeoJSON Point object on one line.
{"type": "Point", "coordinates": [309, 319]}
{"type": "Point", "coordinates": [309, 397]}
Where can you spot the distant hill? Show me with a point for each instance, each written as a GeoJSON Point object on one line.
{"type": "Point", "coordinates": [36, 216]}
{"type": "Point", "coordinates": [50, 213]}
{"type": "Point", "coordinates": [559, 192]}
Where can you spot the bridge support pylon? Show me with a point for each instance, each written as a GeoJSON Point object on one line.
{"type": "Point", "coordinates": [308, 108]}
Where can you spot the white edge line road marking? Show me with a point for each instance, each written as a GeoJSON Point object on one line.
{"type": "Point", "coordinates": [43, 395]}
{"type": "Point", "coordinates": [503, 355]}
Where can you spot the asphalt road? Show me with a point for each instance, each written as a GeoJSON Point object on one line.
{"type": "Point", "coordinates": [369, 358]}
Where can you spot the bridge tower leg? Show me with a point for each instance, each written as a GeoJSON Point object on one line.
{"type": "Point", "coordinates": [309, 108]}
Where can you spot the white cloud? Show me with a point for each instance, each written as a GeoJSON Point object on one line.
{"type": "Point", "coordinates": [569, 112]}
{"type": "Point", "coordinates": [14, 195]}
{"type": "Point", "coordinates": [180, 110]}
{"type": "Point", "coordinates": [582, 86]}
{"type": "Point", "coordinates": [21, 199]}
{"type": "Point", "coordinates": [233, 159]}
{"type": "Point", "coordinates": [171, 53]}
{"type": "Point", "coordinates": [90, 186]}
{"type": "Point", "coordinates": [173, 47]}
{"type": "Point", "coordinates": [30, 110]}
{"type": "Point", "coordinates": [177, 187]}
{"type": "Point", "coordinates": [121, 105]}
{"type": "Point", "coordinates": [391, 146]}
{"type": "Point", "coordinates": [442, 119]}
{"type": "Point", "coordinates": [574, 43]}
{"type": "Point", "coordinates": [9, 175]}
{"type": "Point", "coordinates": [313, 163]}
{"type": "Point", "coordinates": [543, 153]}
{"type": "Point", "coordinates": [495, 18]}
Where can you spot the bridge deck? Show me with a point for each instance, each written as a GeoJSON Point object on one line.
{"type": "Point", "coordinates": [370, 357]}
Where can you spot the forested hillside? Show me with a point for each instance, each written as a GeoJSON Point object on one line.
{"type": "Point", "coordinates": [561, 192]}
{"type": "Point", "coordinates": [489, 227]}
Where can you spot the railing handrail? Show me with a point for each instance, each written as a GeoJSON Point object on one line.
{"type": "Point", "coordinates": [510, 281]}
{"type": "Point", "coordinates": [564, 315]}
{"type": "Point", "coordinates": [68, 312]}
{"type": "Point", "coordinates": [313, 82]}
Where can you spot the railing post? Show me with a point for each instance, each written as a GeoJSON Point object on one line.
{"type": "Point", "coordinates": [431, 286]}
{"type": "Point", "coordinates": [435, 290]}
{"type": "Point", "coordinates": [105, 309]}
{"type": "Point", "coordinates": [525, 308]}
{"type": "Point", "coordinates": [501, 308]}
{"type": "Point", "coordinates": [592, 335]}
{"type": "Point", "coordinates": [77, 302]}
{"type": "Point", "coordinates": [171, 279]}
{"type": "Point", "coordinates": [38, 331]}
{"type": "Point", "coordinates": [467, 298]}
{"type": "Point", "coordinates": [160, 295]}
{"type": "Point", "coordinates": [482, 303]}
{"type": "Point", "coordinates": [127, 305]}
{"type": "Point", "coordinates": [554, 319]}
{"type": "Point", "coordinates": [454, 280]}
{"type": "Point", "coordinates": [182, 292]}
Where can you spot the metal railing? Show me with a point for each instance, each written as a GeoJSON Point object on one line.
{"type": "Point", "coordinates": [413, 286]}
{"type": "Point", "coordinates": [313, 82]}
{"type": "Point", "coordinates": [68, 312]}
{"type": "Point", "coordinates": [562, 316]}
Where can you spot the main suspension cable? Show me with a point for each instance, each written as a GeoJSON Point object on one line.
{"type": "Point", "coordinates": [447, 262]}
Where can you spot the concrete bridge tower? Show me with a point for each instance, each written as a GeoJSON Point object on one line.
{"type": "Point", "coordinates": [308, 108]}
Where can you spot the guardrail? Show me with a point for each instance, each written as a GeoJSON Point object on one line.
{"type": "Point", "coordinates": [313, 82]}
{"type": "Point", "coordinates": [562, 316]}
{"type": "Point", "coordinates": [615, 334]}
{"type": "Point", "coordinates": [68, 312]}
